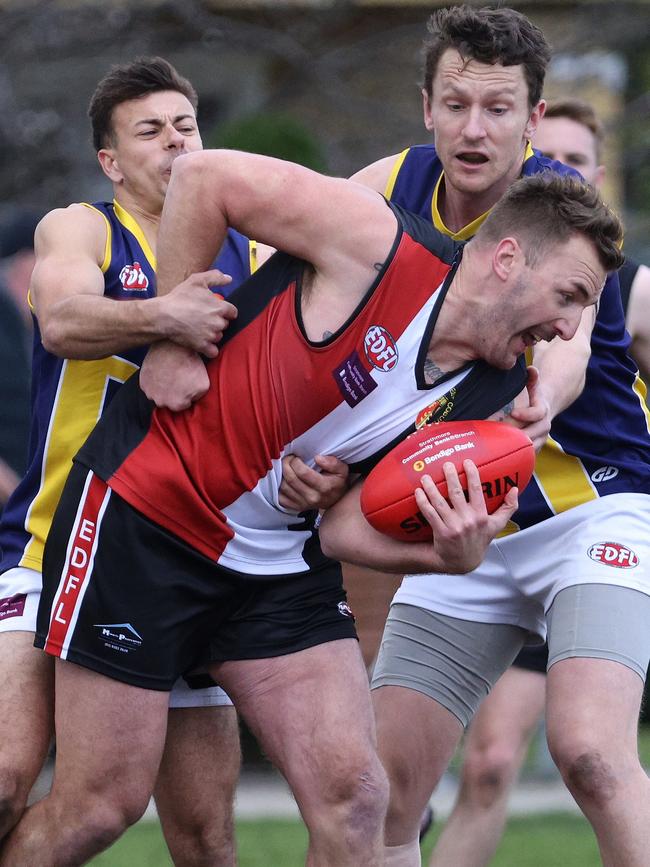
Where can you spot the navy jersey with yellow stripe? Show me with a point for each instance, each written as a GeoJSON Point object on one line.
{"type": "Point", "coordinates": [599, 445]}
{"type": "Point", "coordinates": [68, 396]}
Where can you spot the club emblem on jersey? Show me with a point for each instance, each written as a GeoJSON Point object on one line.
{"type": "Point", "coordinates": [436, 411]}
{"type": "Point", "coordinates": [380, 348]}
{"type": "Point", "coordinates": [613, 554]}
{"type": "Point", "coordinates": [133, 278]}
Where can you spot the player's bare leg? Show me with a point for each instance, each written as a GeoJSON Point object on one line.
{"type": "Point", "coordinates": [415, 754]}
{"type": "Point", "coordinates": [196, 783]}
{"type": "Point", "coordinates": [494, 750]}
{"type": "Point", "coordinates": [592, 725]}
{"type": "Point", "coordinates": [312, 714]}
{"type": "Point", "coordinates": [110, 738]}
{"type": "Point", "coordinates": [26, 721]}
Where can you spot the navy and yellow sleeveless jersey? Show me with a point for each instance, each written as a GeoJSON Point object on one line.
{"type": "Point", "coordinates": [599, 445]}
{"type": "Point", "coordinates": [68, 396]}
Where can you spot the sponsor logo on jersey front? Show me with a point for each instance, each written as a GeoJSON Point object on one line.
{"type": "Point", "coordinates": [604, 474]}
{"type": "Point", "coordinates": [613, 554]}
{"type": "Point", "coordinates": [118, 636]}
{"type": "Point", "coordinates": [133, 278]}
{"type": "Point", "coordinates": [353, 379]}
{"type": "Point", "coordinates": [380, 348]}
{"type": "Point", "coordinates": [12, 606]}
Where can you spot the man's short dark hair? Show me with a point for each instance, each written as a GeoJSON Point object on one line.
{"type": "Point", "coordinates": [547, 209]}
{"type": "Point", "coordinates": [133, 80]}
{"type": "Point", "coordinates": [488, 35]}
{"type": "Point", "coordinates": [581, 112]}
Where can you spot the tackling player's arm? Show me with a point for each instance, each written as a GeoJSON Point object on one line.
{"type": "Point", "coordinates": [76, 319]}
{"type": "Point", "coordinates": [462, 529]}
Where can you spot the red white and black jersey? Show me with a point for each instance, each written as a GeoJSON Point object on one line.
{"type": "Point", "coordinates": [211, 474]}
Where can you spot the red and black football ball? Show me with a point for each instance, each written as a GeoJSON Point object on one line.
{"type": "Point", "coordinates": [503, 454]}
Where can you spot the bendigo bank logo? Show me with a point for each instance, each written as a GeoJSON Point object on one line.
{"type": "Point", "coordinates": [495, 488]}
{"type": "Point", "coordinates": [133, 278]}
{"type": "Point", "coordinates": [613, 554]}
{"type": "Point", "coordinates": [380, 348]}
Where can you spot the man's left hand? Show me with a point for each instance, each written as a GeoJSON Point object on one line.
{"type": "Point", "coordinates": [305, 488]}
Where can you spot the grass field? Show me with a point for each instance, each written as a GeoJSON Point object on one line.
{"type": "Point", "coordinates": [536, 841]}
{"type": "Point", "coordinates": [551, 840]}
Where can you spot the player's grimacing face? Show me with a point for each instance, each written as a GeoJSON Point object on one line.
{"type": "Point", "coordinates": [148, 134]}
{"type": "Point", "coordinates": [480, 118]}
{"type": "Point", "coordinates": [570, 142]}
{"type": "Point", "coordinates": [546, 300]}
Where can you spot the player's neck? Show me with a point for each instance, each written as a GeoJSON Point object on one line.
{"type": "Point", "coordinates": [453, 342]}
{"type": "Point", "coordinates": [147, 218]}
{"type": "Point", "coordinates": [459, 208]}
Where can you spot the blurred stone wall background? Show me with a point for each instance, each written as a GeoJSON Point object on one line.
{"type": "Point", "coordinates": [345, 71]}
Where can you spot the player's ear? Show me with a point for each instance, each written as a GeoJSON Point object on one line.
{"type": "Point", "coordinates": [506, 257]}
{"type": "Point", "coordinates": [426, 109]}
{"type": "Point", "coordinates": [108, 162]}
{"type": "Point", "coordinates": [535, 116]}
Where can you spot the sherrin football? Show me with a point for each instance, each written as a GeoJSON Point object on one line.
{"type": "Point", "coordinates": [503, 454]}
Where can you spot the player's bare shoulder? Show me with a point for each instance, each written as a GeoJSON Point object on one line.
{"type": "Point", "coordinates": [378, 175]}
{"type": "Point", "coordinates": [77, 230]}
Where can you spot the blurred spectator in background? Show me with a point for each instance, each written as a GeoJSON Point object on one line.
{"type": "Point", "coordinates": [16, 264]}
{"type": "Point", "coordinates": [571, 132]}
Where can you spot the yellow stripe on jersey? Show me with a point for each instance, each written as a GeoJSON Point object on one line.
{"type": "Point", "coordinates": [562, 478]}
{"type": "Point", "coordinates": [77, 407]}
{"type": "Point", "coordinates": [109, 237]}
{"type": "Point", "coordinates": [129, 223]}
{"type": "Point", "coordinates": [392, 177]}
{"type": "Point", "coordinates": [641, 391]}
{"type": "Point", "coordinates": [462, 234]}
{"type": "Point", "coordinates": [252, 256]}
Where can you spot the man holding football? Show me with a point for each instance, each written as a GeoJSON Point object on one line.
{"type": "Point", "coordinates": [247, 590]}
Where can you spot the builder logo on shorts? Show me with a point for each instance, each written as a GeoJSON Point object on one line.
{"type": "Point", "coordinates": [119, 636]}
{"type": "Point", "coordinates": [133, 278]}
{"type": "Point", "coordinates": [613, 554]}
{"type": "Point", "coordinates": [380, 348]}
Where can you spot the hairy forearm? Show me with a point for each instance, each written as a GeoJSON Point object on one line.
{"type": "Point", "coordinates": [88, 327]}
{"type": "Point", "coordinates": [346, 535]}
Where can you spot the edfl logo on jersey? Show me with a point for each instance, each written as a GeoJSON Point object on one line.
{"type": "Point", "coordinates": [613, 554]}
{"type": "Point", "coordinates": [380, 348]}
